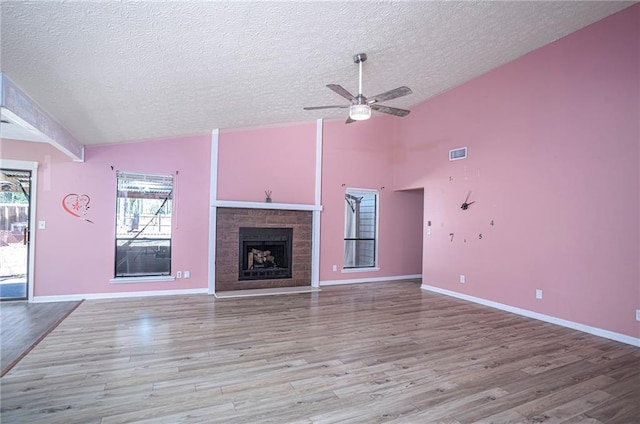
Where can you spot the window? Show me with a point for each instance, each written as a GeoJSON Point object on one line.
{"type": "Point", "coordinates": [143, 225]}
{"type": "Point", "coordinates": [360, 228]}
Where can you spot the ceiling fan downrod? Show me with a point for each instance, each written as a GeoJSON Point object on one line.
{"type": "Point", "coordinates": [359, 58]}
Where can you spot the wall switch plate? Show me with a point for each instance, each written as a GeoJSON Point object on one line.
{"type": "Point", "coordinates": [538, 293]}
{"type": "Point", "coordinates": [335, 268]}
{"type": "Point", "coordinates": [462, 278]}
{"type": "Point", "coordinates": [187, 274]}
{"type": "Point", "coordinates": [42, 225]}
{"type": "Point", "coordinates": [179, 274]}
{"type": "Point", "coordinates": [637, 314]}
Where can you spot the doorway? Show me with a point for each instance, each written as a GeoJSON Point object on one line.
{"type": "Point", "coordinates": [16, 242]}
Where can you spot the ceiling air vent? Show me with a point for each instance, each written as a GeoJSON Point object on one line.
{"type": "Point", "coordinates": [460, 153]}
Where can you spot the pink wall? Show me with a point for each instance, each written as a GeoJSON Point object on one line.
{"type": "Point", "coordinates": [358, 155]}
{"type": "Point", "coordinates": [554, 162]}
{"type": "Point", "coordinates": [75, 257]}
{"type": "Point", "coordinates": [554, 157]}
{"type": "Point", "coordinates": [283, 159]}
{"type": "Point", "coordinates": [42, 153]}
{"type": "Point", "coordinates": [280, 159]}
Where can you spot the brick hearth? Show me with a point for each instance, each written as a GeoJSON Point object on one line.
{"type": "Point", "coordinates": [229, 220]}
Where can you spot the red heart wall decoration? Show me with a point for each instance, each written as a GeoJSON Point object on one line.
{"type": "Point", "coordinates": [77, 205]}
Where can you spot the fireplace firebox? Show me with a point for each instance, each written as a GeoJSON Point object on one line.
{"type": "Point", "coordinates": [265, 253]}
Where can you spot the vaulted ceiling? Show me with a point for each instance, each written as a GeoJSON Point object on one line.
{"type": "Point", "coordinates": [116, 71]}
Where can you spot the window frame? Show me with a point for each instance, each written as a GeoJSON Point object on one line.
{"type": "Point", "coordinates": [145, 275]}
{"type": "Point", "coordinates": [353, 191]}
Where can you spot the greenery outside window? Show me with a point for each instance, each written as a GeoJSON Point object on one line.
{"type": "Point", "coordinates": [143, 225]}
{"type": "Point", "coordinates": [360, 229]}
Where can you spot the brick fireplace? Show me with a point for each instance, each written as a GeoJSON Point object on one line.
{"type": "Point", "coordinates": [232, 249]}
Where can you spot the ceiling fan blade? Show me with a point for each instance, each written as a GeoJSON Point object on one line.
{"type": "Point", "coordinates": [341, 91]}
{"type": "Point", "coordinates": [390, 110]}
{"type": "Point", "coordinates": [324, 107]}
{"type": "Point", "coordinates": [391, 94]}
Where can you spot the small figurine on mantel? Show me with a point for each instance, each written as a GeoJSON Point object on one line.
{"type": "Point", "coordinates": [268, 198]}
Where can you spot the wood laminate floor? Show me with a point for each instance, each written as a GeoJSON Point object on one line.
{"type": "Point", "coordinates": [365, 353]}
{"type": "Point", "coordinates": [23, 325]}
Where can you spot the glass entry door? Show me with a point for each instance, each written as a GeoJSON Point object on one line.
{"type": "Point", "coordinates": [15, 187]}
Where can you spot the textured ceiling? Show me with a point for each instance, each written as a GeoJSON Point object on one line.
{"type": "Point", "coordinates": [115, 71]}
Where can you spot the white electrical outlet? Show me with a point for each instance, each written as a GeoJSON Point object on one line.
{"type": "Point", "coordinates": [538, 293]}
{"type": "Point", "coordinates": [179, 274]}
{"type": "Point", "coordinates": [462, 278]}
{"type": "Point", "coordinates": [428, 231]}
{"type": "Point", "coordinates": [335, 268]}
{"type": "Point", "coordinates": [637, 314]}
{"type": "Point", "coordinates": [187, 274]}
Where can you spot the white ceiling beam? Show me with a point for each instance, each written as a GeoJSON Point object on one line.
{"type": "Point", "coordinates": [21, 110]}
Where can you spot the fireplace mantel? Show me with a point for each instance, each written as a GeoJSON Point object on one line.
{"type": "Point", "coordinates": [265, 205]}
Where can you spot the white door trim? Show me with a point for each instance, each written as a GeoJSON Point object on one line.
{"type": "Point", "coordinates": [33, 167]}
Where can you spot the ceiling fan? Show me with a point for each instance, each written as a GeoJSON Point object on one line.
{"type": "Point", "coordinates": [361, 106]}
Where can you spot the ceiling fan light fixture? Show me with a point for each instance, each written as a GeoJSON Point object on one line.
{"type": "Point", "coordinates": [360, 107]}
{"type": "Point", "coordinates": [360, 112]}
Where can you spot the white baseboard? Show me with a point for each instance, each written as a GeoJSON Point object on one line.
{"type": "Point", "coordinates": [87, 296]}
{"type": "Point", "coordinates": [623, 338]}
{"type": "Point", "coordinates": [369, 280]}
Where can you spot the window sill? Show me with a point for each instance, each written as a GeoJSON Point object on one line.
{"type": "Point", "coordinates": [355, 270]}
{"type": "Point", "coordinates": [149, 279]}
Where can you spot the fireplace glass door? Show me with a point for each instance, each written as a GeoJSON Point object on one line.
{"type": "Point", "coordinates": [264, 253]}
